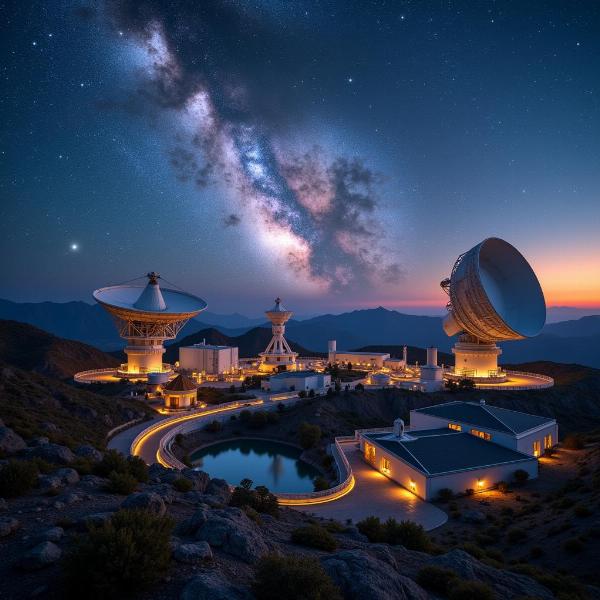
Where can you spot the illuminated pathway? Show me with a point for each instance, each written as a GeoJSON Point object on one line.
{"type": "Point", "coordinates": [376, 495]}
{"type": "Point", "coordinates": [373, 494]}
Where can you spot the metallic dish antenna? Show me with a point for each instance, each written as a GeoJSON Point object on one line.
{"type": "Point", "coordinates": [494, 296]}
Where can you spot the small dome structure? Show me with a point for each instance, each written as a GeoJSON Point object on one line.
{"type": "Point", "coordinates": [180, 393]}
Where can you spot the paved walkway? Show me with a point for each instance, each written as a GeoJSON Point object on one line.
{"type": "Point", "coordinates": [376, 495]}
{"type": "Point", "coordinates": [123, 440]}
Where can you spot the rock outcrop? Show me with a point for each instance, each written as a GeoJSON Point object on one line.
{"type": "Point", "coordinates": [42, 555]}
{"type": "Point", "coordinates": [379, 577]}
{"type": "Point", "coordinates": [234, 533]}
{"type": "Point", "coordinates": [195, 553]}
{"type": "Point", "coordinates": [145, 501]}
{"type": "Point", "coordinates": [212, 585]}
{"type": "Point", "coordinates": [10, 442]}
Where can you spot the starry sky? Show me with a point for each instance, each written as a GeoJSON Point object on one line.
{"type": "Point", "coordinates": [338, 154]}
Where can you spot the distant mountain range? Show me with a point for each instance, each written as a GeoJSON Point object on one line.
{"type": "Point", "coordinates": [249, 343]}
{"type": "Point", "coordinates": [567, 341]}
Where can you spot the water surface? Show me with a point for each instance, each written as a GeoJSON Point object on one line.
{"type": "Point", "coordinates": [273, 464]}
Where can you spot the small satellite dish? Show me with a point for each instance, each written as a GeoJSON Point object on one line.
{"type": "Point", "coordinates": [494, 294]}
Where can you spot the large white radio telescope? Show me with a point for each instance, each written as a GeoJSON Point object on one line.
{"type": "Point", "coordinates": [494, 296]}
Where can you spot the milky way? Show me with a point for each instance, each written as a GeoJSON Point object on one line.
{"type": "Point", "coordinates": [318, 212]}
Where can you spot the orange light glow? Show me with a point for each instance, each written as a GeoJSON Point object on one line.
{"type": "Point", "coordinates": [480, 483]}
{"type": "Point", "coordinates": [412, 485]}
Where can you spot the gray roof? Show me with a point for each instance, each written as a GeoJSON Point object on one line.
{"type": "Point", "coordinates": [298, 374]}
{"type": "Point", "coordinates": [446, 452]}
{"type": "Point", "coordinates": [484, 415]}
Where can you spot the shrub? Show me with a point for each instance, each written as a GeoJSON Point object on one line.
{"type": "Point", "coordinates": [320, 484]}
{"type": "Point", "coordinates": [83, 466]}
{"type": "Point", "coordinates": [111, 461]}
{"type": "Point", "coordinates": [258, 419]}
{"type": "Point", "coordinates": [309, 435]}
{"type": "Point", "coordinates": [314, 536]}
{"type": "Point", "coordinates": [121, 483]}
{"type": "Point", "coordinates": [213, 427]}
{"type": "Point", "coordinates": [581, 510]}
{"type": "Point", "coordinates": [516, 535]}
{"type": "Point", "coordinates": [137, 468]}
{"type": "Point", "coordinates": [521, 476]}
{"type": "Point", "coordinates": [127, 553]}
{"type": "Point", "coordinates": [406, 533]}
{"type": "Point", "coordinates": [181, 484]}
{"type": "Point", "coordinates": [327, 461]}
{"type": "Point", "coordinates": [573, 545]}
{"type": "Point", "coordinates": [293, 578]}
{"type": "Point", "coordinates": [469, 491]}
{"type": "Point", "coordinates": [503, 487]}
{"type": "Point", "coordinates": [474, 550]}
{"type": "Point", "coordinates": [372, 528]}
{"type": "Point", "coordinates": [470, 590]}
{"type": "Point", "coordinates": [301, 394]}
{"type": "Point", "coordinates": [436, 579]}
{"type": "Point", "coordinates": [536, 552]}
{"type": "Point", "coordinates": [574, 441]}
{"type": "Point", "coordinates": [17, 477]}
{"type": "Point", "coordinates": [334, 526]}
{"type": "Point", "coordinates": [272, 417]}
{"type": "Point", "coordinates": [260, 499]}
{"type": "Point", "coordinates": [445, 495]}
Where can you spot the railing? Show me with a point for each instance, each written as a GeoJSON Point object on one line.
{"type": "Point", "coordinates": [547, 382]}
{"type": "Point", "coordinates": [81, 376]}
{"type": "Point", "coordinates": [330, 494]}
{"type": "Point", "coordinates": [119, 428]}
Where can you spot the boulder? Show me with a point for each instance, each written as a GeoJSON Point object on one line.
{"type": "Point", "coordinates": [220, 489]}
{"type": "Point", "coordinates": [90, 453]}
{"type": "Point", "coordinates": [10, 442]}
{"type": "Point", "coordinates": [94, 519]}
{"type": "Point", "coordinates": [49, 426]}
{"type": "Point", "coordinates": [194, 497]}
{"type": "Point", "coordinates": [200, 480]}
{"type": "Point", "coordinates": [504, 583]}
{"type": "Point", "coordinates": [233, 532]}
{"type": "Point", "coordinates": [193, 553]}
{"type": "Point", "coordinates": [93, 481]}
{"type": "Point", "coordinates": [69, 476]}
{"type": "Point", "coordinates": [53, 453]}
{"type": "Point", "coordinates": [42, 555]}
{"type": "Point", "coordinates": [156, 472]}
{"type": "Point", "coordinates": [53, 534]}
{"type": "Point", "coordinates": [165, 491]}
{"type": "Point", "coordinates": [50, 482]}
{"type": "Point", "coordinates": [379, 578]}
{"type": "Point", "coordinates": [211, 585]}
{"type": "Point", "coordinates": [72, 498]}
{"type": "Point", "coordinates": [8, 525]}
{"type": "Point", "coordinates": [473, 516]}
{"type": "Point", "coordinates": [190, 526]}
{"type": "Point", "coordinates": [145, 501]}
{"type": "Point", "coordinates": [39, 441]}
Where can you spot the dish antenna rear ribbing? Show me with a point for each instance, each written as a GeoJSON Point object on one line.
{"type": "Point", "coordinates": [494, 296]}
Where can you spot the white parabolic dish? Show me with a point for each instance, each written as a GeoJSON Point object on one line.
{"type": "Point", "coordinates": [494, 294]}
{"type": "Point", "coordinates": [124, 297]}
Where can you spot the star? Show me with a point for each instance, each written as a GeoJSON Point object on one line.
{"type": "Point", "coordinates": [350, 79]}
{"type": "Point", "coordinates": [74, 247]}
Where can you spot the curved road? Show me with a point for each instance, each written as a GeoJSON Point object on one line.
{"type": "Point", "coordinates": [373, 493]}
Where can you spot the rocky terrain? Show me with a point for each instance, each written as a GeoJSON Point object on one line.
{"type": "Point", "coordinates": [217, 550]}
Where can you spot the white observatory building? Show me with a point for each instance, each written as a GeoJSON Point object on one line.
{"type": "Point", "coordinates": [494, 296]}
{"type": "Point", "coordinates": [278, 354]}
{"type": "Point", "coordinates": [146, 316]}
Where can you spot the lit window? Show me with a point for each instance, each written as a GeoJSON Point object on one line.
{"type": "Point", "coordinates": [385, 465]}
{"type": "Point", "coordinates": [481, 434]}
{"type": "Point", "coordinates": [536, 448]}
{"type": "Point", "coordinates": [412, 485]}
{"type": "Point", "coordinates": [454, 426]}
{"type": "Point", "coordinates": [480, 483]}
{"type": "Point", "coordinates": [370, 453]}
{"type": "Point", "coordinates": [547, 441]}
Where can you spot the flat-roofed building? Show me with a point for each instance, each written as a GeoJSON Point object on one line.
{"type": "Point", "coordinates": [297, 381]}
{"type": "Point", "coordinates": [531, 434]}
{"type": "Point", "coordinates": [208, 359]}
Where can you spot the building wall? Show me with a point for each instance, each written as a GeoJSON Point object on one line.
{"type": "Point", "coordinates": [373, 360]}
{"type": "Point", "coordinates": [212, 361]}
{"type": "Point", "coordinates": [180, 400]}
{"type": "Point", "coordinates": [318, 382]}
{"type": "Point", "coordinates": [525, 444]}
{"type": "Point", "coordinates": [428, 487]}
{"type": "Point", "coordinates": [490, 476]}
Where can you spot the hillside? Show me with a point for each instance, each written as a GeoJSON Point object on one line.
{"type": "Point", "coordinates": [30, 348]}
{"type": "Point", "coordinates": [35, 405]}
{"type": "Point", "coordinates": [250, 343]}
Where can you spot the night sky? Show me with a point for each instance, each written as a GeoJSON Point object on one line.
{"type": "Point", "coordinates": [339, 154]}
